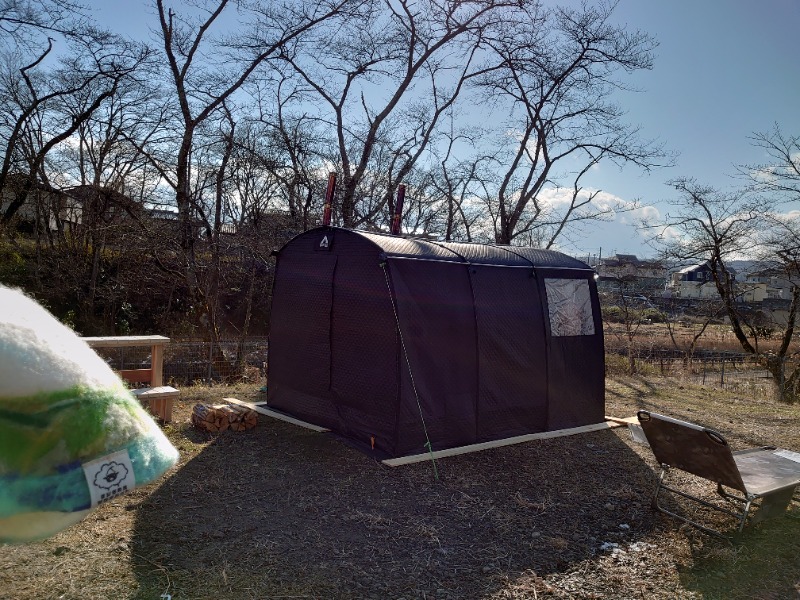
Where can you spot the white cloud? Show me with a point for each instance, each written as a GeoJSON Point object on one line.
{"type": "Point", "coordinates": [615, 207]}
{"type": "Point", "coordinates": [772, 174]}
{"type": "Point", "coordinates": [557, 197]}
{"type": "Point", "coordinates": [792, 215]}
{"type": "Point", "coordinates": [646, 213]}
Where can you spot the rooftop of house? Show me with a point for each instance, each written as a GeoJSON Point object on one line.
{"type": "Point", "coordinates": [621, 259]}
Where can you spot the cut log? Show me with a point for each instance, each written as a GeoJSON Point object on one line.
{"type": "Point", "coordinates": [209, 418]}
{"type": "Point", "coordinates": [240, 418]}
{"type": "Point", "coordinates": [220, 417]}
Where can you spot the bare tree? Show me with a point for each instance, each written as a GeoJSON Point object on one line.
{"type": "Point", "coordinates": [556, 70]}
{"type": "Point", "coordinates": [456, 180]}
{"type": "Point", "coordinates": [39, 105]}
{"type": "Point", "coordinates": [386, 80]}
{"type": "Point", "coordinates": [285, 145]}
{"type": "Point", "coordinates": [717, 227]}
{"type": "Point", "coordinates": [251, 170]}
{"type": "Point", "coordinates": [782, 249]}
{"type": "Point", "coordinates": [780, 175]}
{"type": "Point", "coordinates": [704, 313]}
{"type": "Point", "coordinates": [27, 24]}
{"type": "Point", "coordinates": [205, 73]}
{"type": "Point", "coordinates": [629, 315]}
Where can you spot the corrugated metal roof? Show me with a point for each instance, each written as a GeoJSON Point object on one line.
{"type": "Point", "coordinates": [476, 253]}
{"type": "Point", "coordinates": [691, 268]}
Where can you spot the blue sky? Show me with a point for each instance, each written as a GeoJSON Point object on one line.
{"type": "Point", "coordinates": [724, 69]}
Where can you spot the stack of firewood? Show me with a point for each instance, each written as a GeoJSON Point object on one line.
{"type": "Point", "coordinates": [240, 417]}
{"type": "Point", "coordinates": [209, 418]}
{"type": "Point", "coordinates": [220, 417]}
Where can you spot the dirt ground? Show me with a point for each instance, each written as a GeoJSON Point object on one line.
{"type": "Point", "coordinates": [282, 512]}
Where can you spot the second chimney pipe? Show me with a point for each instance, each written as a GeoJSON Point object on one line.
{"type": "Point", "coordinates": [398, 210]}
{"type": "Point", "coordinates": [326, 212]}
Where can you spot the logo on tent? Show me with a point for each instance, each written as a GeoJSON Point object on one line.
{"type": "Point", "coordinates": [325, 243]}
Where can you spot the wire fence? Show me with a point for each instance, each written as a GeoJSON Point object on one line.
{"type": "Point", "coordinates": [732, 371]}
{"type": "Point", "coordinates": [189, 363]}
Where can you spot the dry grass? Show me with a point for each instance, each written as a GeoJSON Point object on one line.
{"type": "Point", "coordinates": [717, 338]}
{"type": "Point", "coordinates": [281, 512]}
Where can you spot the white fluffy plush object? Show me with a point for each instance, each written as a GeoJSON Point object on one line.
{"type": "Point", "coordinates": [71, 435]}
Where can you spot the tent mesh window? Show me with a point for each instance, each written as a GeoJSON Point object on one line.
{"type": "Point", "coordinates": [570, 307]}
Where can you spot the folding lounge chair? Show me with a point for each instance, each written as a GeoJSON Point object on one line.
{"type": "Point", "coordinates": [766, 477]}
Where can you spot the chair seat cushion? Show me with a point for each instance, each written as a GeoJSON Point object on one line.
{"type": "Point", "coordinates": [765, 470]}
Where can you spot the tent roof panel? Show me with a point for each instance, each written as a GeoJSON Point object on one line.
{"type": "Point", "coordinates": [476, 253]}
{"type": "Point", "coordinates": [548, 258]}
{"type": "Point", "coordinates": [397, 246]}
{"type": "Point", "coordinates": [486, 254]}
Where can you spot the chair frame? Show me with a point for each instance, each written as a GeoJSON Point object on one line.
{"type": "Point", "coordinates": [764, 477]}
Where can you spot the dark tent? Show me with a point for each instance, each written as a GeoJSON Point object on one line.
{"type": "Point", "coordinates": [391, 341]}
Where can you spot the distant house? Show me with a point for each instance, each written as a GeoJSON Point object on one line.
{"type": "Point", "coordinates": [78, 206]}
{"type": "Point", "coordinates": [778, 285]}
{"type": "Point", "coordinates": [639, 275]}
{"type": "Point", "coordinates": [68, 208]}
{"type": "Point", "coordinates": [84, 207]}
{"type": "Point", "coordinates": [697, 281]}
{"type": "Point", "coordinates": [694, 281]}
{"type": "Point", "coordinates": [92, 203]}
{"type": "Point", "coordinates": [694, 273]}
{"type": "Point", "coordinates": [751, 292]}
{"type": "Point", "coordinates": [42, 204]}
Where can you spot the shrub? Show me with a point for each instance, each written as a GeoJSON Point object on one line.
{"type": "Point", "coordinates": [12, 265]}
{"type": "Point", "coordinates": [613, 314]}
{"type": "Point", "coordinates": [654, 315]}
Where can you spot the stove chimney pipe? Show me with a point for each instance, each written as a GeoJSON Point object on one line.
{"type": "Point", "coordinates": [398, 210]}
{"type": "Point", "coordinates": [326, 212]}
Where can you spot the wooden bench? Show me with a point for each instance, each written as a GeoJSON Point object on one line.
{"type": "Point", "coordinates": [158, 397]}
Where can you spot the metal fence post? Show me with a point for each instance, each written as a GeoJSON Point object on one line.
{"type": "Point", "coordinates": [210, 360]}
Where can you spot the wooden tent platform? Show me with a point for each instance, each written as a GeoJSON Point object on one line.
{"type": "Point", "coordinates": [610, 422]}
{"type": "Point", "coordinates": [262, 409]}
{"type": "Point", "coordinates": [544, 435]}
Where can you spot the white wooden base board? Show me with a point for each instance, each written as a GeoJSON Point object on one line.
{"type": "Point", "coordinates": [414, 458]}
{"type": "Point", "coordinates": [263, 410]}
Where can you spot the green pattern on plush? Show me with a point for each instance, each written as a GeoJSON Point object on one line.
{"type": "Point", "coordinates": [61, 407]}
